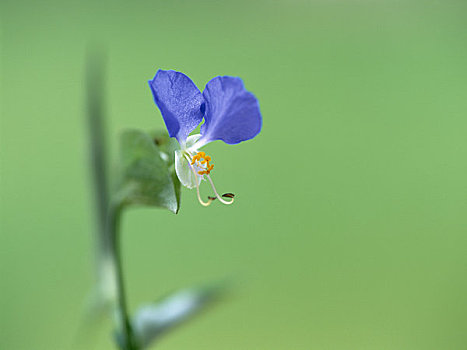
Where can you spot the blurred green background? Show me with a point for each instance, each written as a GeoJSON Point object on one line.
{"type": "Point", "coordinates": [349, 230]}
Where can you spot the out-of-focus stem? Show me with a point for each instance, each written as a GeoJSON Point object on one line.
{"type": "Point", "coordinates": [95, 104]}
{"type": "Point", "coordinates": [113, 226]}
{"type": "Point", "coordinates": [108, 214]}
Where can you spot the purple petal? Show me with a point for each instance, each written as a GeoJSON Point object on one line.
{"type": "Point", "coordinates": [232, 113]}
{"type": "Point", "coordinates": [179, 100]}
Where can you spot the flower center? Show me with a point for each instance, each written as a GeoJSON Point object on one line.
{"type": "Point", "coordinates": [201, 160]}
{"type": "Point", "coordinates": [199, 165]}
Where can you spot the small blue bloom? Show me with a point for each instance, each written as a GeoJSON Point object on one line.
{"type": "Point", "coordinates": [230, 113]}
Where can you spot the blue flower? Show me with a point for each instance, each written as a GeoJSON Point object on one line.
{"type": "Point", "coordinates": [230, 113]}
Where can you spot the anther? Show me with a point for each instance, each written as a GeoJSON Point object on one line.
{"type": "Point", "coordinates": [228, 195]}
{"type": "Point", "coordinates": [202, 161]}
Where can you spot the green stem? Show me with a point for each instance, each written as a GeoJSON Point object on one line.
{"type": "Point", "coordinates": [95, 103]}
{"type": "Point", "coordinates": [113, 227]}
{"type": "Point", "coordinates": [108, 214]}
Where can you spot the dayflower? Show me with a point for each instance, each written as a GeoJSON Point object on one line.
{"type": "Point", "coordinates": [230, 112]}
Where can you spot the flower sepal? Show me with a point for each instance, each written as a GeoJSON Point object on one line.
{"type": "Point", "coordinates": [147, 171]}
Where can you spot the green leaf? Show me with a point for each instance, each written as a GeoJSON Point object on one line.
{"type": "Point", "coordinates": [147, 171]}
{"type": "Point", "coordinates": [165, 143]}
{"type": "Point", "coordinates": [153, 320]}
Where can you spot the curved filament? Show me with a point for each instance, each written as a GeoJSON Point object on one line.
{"type": "Point", "coordinates": [205, 204]}
{"type": "Point", "coordinates": [217, 194]}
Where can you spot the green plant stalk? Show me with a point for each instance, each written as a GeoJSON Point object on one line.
{"type": "Point", "coordinates": [96, 117]}
{"type": "Point", "coordinates": [113, 233]}
{"type": "Point", "coordinates": [108, 213]}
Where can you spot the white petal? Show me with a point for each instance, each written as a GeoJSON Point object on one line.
{"type": "Point", "coordinates": [184, 172]}
{"type": "Point", "coordinates": [191, 140]}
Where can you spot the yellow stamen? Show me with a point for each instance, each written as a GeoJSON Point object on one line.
{"type": "Point", "coordinates": [203, 203]}
{"type": "Point", "coordinates": [202, 161]}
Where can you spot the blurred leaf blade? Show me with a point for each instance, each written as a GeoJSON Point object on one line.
{"type": "Point", "coordinates": [153, 320]}
{"type": "Point", "coordinates": [146, 173]}
{"type": "Point", "coordinates": [166, 144]}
